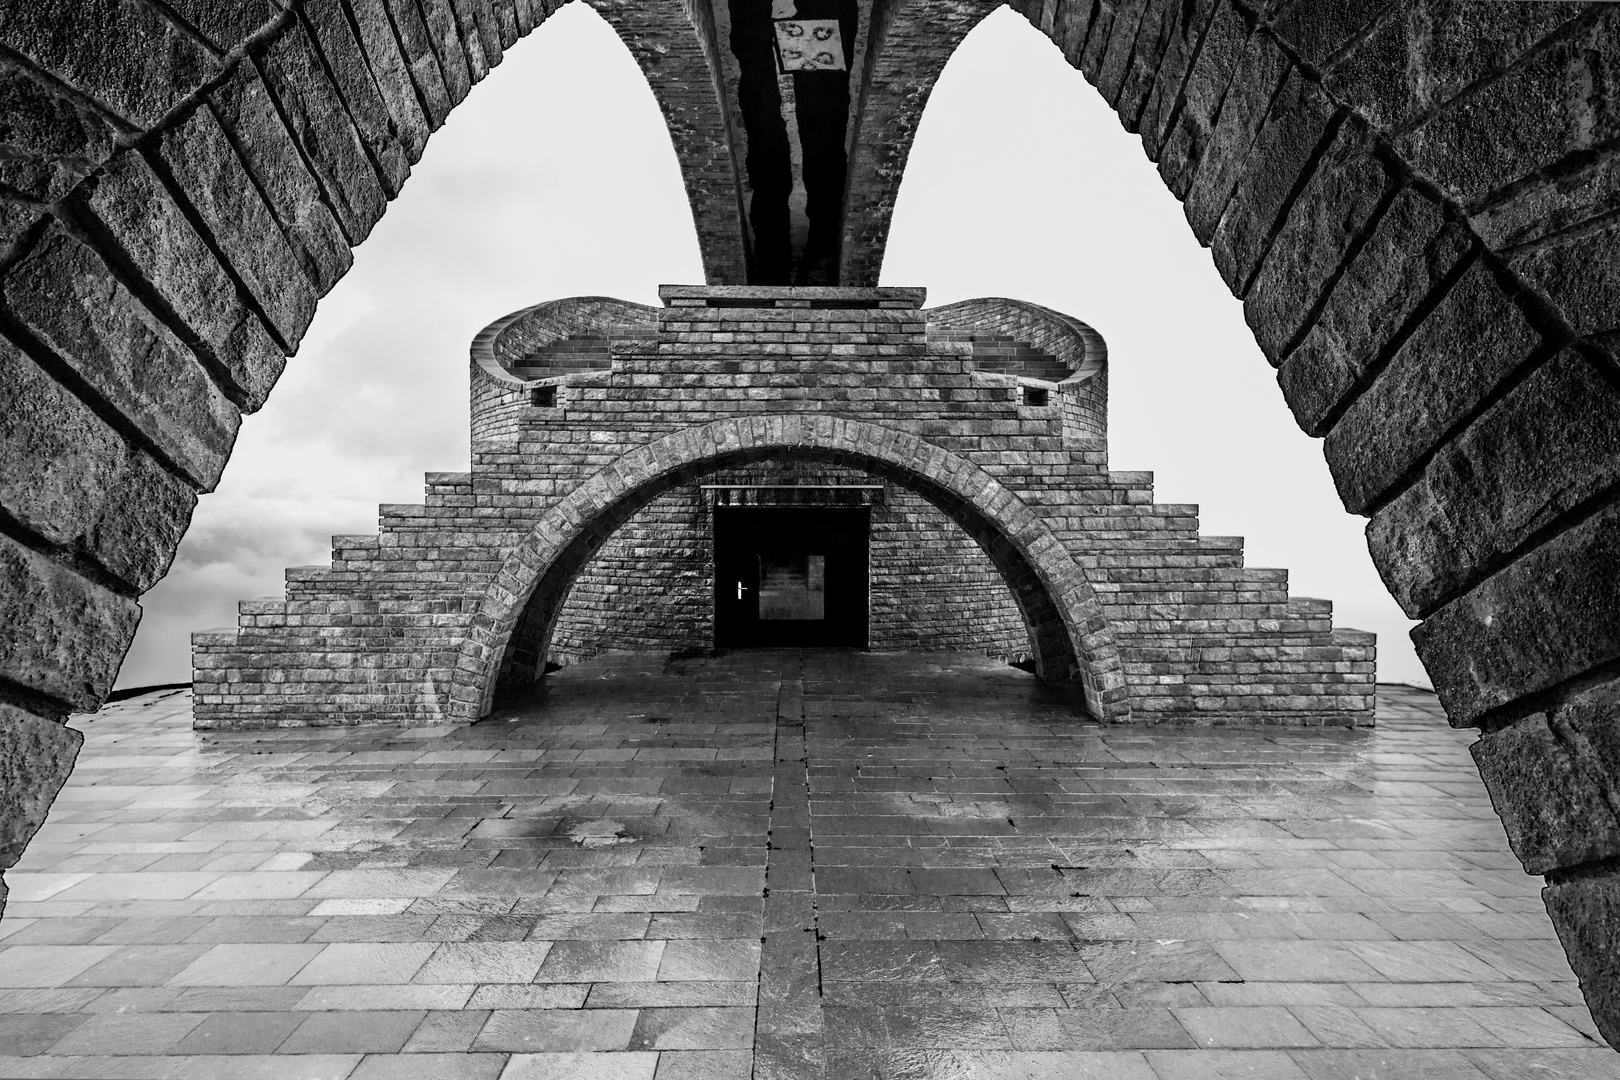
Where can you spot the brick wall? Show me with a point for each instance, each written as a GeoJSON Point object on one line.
{"type": "Point", "coordinates": [1199, 637]}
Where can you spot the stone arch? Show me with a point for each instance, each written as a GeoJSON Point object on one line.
{"type": "Point", "coordinates": [1422, 233]}
{"type": "Point", "coordinates": [1069, 637]}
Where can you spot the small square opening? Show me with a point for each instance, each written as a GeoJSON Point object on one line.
{"type": "Point", "coordinates": [1034, 395]}
{"type": "Point", "coordinates": [543, 397]}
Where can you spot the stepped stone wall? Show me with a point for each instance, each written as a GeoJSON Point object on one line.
{"type": "Point", "coordinates": [1415, 201]}
{"type": "Point", "coordinates": [1176, 628]}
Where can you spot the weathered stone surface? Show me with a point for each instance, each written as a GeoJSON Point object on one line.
{"type": "Point", "coordinates": [1117, 51]}
{"type": "Point", "coordinates": [320, 125]}
{"type": "Point", "coordinates": [1551, 615]}
{"type": "Point", "coordinates": [132, 205]}
{"type": "Point", "coordinates": [204, 164]}
{"type": "Point", "coordinates": [1330, 214]}
{"type": "Point", "coordinates": [420, 57]}
{"type": "Point", "coordinates": [60, 634]}
{"type": "Point", "coordinates": [1581, 273]}
{"type": "Point", "coordinates": [1316, 31]}
{"type": "Point", "coordinates": [1542, 206]}
{"type": "Point", "coordinates": [345, 63]}
{"type": "Point", "coordinates": [1410, 252]}
{"type": "Point", "coordinates": [393, 75]}
{"type": "Point", "coordinates": [228, 23]}
{"type": "Point", "coordinates": [1187, 26]}
{"type": "Point", "coordinates": [445, 35]}
{"type": "Point", "coordinates": [1551, 794]}
{"type": "Point", "coordinates": [123, 53]}
{"type": "Point", "coordinates": [36, 755]}
{"type": "Point", "coordinates": [1586, 913]}
{"type": "Point", "coordinates": [1560, 102]}
{"type": "Point", "coordinates": [249, 117]}
{"type": "Point", "coordinates": [1184, 144]}
{"type": "Point", "coordinates": [1426, 53]}
{"type": "Point", "coordinates": [1295, 125]}
{"type": "Point", "coordinates": [72, 480]}
{"type": "Point", "coordinates": [1472, 339]}
{"type": "Point", "coordinates": [1547, 447]}
{"type": "Point", "coordinates": [480, 34]}
{"type": "Point", "coordinates": [67, 296]}
{"type": "Point", "coordinates": [1259, 74]}
{"type": "Point", "coordinates": [48, 142]}
{"type": "Point", "coordinates": [1153, 36]}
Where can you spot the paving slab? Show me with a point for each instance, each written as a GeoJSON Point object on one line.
{"type": "Point", "coordinates": [782, 863]}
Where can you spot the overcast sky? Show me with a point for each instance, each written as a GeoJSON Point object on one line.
{"type": "Point", "coordinates": [556, 178]}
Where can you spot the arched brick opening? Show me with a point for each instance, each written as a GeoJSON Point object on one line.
{"type": "Point", "coordinates": [1069, 637]}
{"type": "Point", "coordinates": [1414, 201]}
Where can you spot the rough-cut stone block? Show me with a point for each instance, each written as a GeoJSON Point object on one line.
{"type": "Point", "coordinates": [1581, 274]}
{"type": "Point", "coordinates": [1295, 125]}
{"type": "Point", "coordinates": [445, 34]}
{"type": "Point", "coordinates": [69, 299]}
{"type": "Point", "coordinates": [393, 75]}
{"type": "Point", "coordinates": [1540, 112]}
{"type": "Point", "coordinates": [1567, 204]}
{"type": "Point", "coordinates": [72, 480]}
{"type": "Point", "coordinates": [249, 117]}
{"type": "Point", "coordinates": [320, 125]}
{"type": "Point", "coordinates": [1328, 216]}
{"type": "Point", "coordinates": [480, 34]}
{"type": "Point", "coordinates": [1548, 446]}
{"type": "Point", "coordinates": [1182, 152]}
{"type": "Point", "coordinates": [1260, 72]}
{"type": "Point", "coordinates": [123, 53]}
{"type": "Point", "coordinates": [420, 57]}
{"type": "Point", "coordinates": [1429, 52]}
{"type": "Point", "coordinates": [1550, 793]}
{"type": "Point", "coordinates": [51, 143]}
{"type": "Point", "coordinates": [1586, 915]}
{"type": "Point", "coordinates": [206, 167]}
{"type": "Point", "coordinates": [1153, 36]}
{"type": "Point", "coordinates": [1473, 339]}
{"type": "Point", "coordinates": [345, 63]}
{"type": "Point", "coordinates": [36, 756]}
{"type": "Point", "coordinates": [1316, 31]}
{"type": "Point", "coordinates": [1117, 51]}
{"type": "Point", "coordinates": [135, 209]}
{"type": "Point", "coordinates": [1410, 252]}
{"type": "Point", "coordinates": [1188, 23]}
{"type": "Point", "coordinates": [60, 635]}
{"type": "Point", "coordinates": [1545, 618]}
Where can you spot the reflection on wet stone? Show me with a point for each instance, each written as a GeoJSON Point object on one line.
{"type": "Point", "coordinates": [809, 864]}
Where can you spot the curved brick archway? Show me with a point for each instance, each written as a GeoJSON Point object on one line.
{"type": "Point", "coordinates": [1414, 201]}
{"type": "Point", "coordinates": [1069, 637]}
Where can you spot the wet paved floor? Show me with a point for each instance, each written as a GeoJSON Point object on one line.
{"type": "Point", "coordinates": [782, 865]}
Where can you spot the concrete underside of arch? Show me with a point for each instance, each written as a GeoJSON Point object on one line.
{"type": "Point", "coordinates": [1421, 230]}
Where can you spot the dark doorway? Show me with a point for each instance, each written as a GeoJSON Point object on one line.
{"type": "Point", "coordinates": [790, 576]}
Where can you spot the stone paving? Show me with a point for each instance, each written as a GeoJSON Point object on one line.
{"type": "Point", "coordinates": [782, 864]}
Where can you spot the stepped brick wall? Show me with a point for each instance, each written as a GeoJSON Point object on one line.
{"type": "Point", "coordinates": [1188, 631]}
